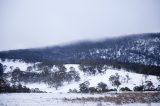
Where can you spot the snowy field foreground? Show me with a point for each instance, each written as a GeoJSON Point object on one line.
{"type": "Point", "coordinates": [58, 99]}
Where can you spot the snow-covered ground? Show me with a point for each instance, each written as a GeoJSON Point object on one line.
{"type": "Point", "coordinates": [135, 79]}
{"type": "Point", "coordinates": [57, 99]}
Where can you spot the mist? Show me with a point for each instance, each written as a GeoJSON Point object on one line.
{"type": "Point", "coordinates": [37, 23]}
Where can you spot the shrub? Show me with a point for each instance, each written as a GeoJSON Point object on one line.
{"type": "Point", "coordinates": [125, 89]}
{"type": "Point", "coordinates": [149, 86]}
{"type": "Point", "coordinates": [92, 90]}
{"type": "Point", "coordinates": [84, 87]}
{"type": "Point", "coordinates": [102, 86]}
{"type": "Point", "coordinates": [72, 91]}
{"type": "Point", "coordinates": [138, 88]}
{"type": "Point", "coordinates": [158, 88]}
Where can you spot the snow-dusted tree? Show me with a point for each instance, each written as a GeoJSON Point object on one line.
{"type": "Point", "coordinates": [117, 83]}
{"type": "Point", "coordinates": [1, 70]}
{"type": "Point", "coordinates": [100, 69]}
{"type": "Point", "coordinates": [16, 76]}
{"type": "Point", "coordinates": [114, 79]}
{"type": "Point", "coordinates": [29, 68]}
{"type": "Point", "coordinates": [158, 78]}
{"type": "Point", "coordinates": [72, 69]}
{"type": "Point", "coordinates": [11, 68]}
{"type": "Point", "coordinates": [127, 78]}
{"type": "Point", "coordinates": [46, 71]}
{"type": "Point", "coordinates": [68, 77]}
{"type": "Point", "coordinates": [158, 88]}
{"type": "Point", "coordinates": [102, 86]}
{"type": "Point", "coordinates": [4, 67]}
{"type": "Point", "coordinates": [125, 89]}
{"type": "Point", "coordinates": [56, 79]}
{"type": "Point", "coordinates": [88, 69]}
{"type": "Point", "coordinates": [92, 90]}
{"type": "Point", "coordinates": [145, 76]}
{"type": "Point", "coordinates": [149, 86]}
{"type": "Point", "coordinates": [73, 90]}
{"type": "Point", "coordinates": [61, 67]}
{"type": "Point", "coordinates": [84, 87]}
{"type": "Point", "coordinates": [72, 75]}
{"type": "Point", "coordinates": [138, 88]}
{"type": "Point", "coordinates": [57, 85]}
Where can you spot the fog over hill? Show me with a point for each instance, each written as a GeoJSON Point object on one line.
{"type": "Point", "coordinates": [139, 48]}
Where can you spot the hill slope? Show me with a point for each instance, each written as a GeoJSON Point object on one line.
{"type": "Point", "coordinates": [140, 48]}
{"type": "Point", "coordinates": [107, 71]}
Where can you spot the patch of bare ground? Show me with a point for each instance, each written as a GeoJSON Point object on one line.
{"type": "Point", "coordinates": [122, 98]}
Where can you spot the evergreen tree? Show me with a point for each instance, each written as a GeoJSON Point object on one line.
{"type": "Point", "coordinates": [1, 70]}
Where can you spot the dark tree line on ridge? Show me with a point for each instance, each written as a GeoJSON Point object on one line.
{"type": "Point", "coordinates": [130, 67]}
{"type": "Point", "coordinates": [130, 47]}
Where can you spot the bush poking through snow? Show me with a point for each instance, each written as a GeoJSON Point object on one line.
{"type": "Point", "coordinates": [102, 86]}
{"type": "Point", "coordinates": [125, 89]}
{"type": "Point", "coordinates": [84, 87]}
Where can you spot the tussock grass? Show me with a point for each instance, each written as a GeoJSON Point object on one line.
{"type": "Point", "coordinates": [123, 98]}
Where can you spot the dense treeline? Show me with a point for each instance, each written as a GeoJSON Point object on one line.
{"type": "Point", "coordinates": [5, 87]}
{"type": "Point", "coordinates": [130, 67]}
{"type": "Point", "coordinates": [124, 49]}
{"type": "Point", "coordinates": [99, 63]}
{"type": "Point", "coordinates": [102, 88]}
{"type": "Point", "coordinates": [1, 70]}
{"type": "Point", "coordinates": [139, 53]}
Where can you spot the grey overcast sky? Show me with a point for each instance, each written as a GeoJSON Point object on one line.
{"type": "Point", "coordinates": [36, 23]}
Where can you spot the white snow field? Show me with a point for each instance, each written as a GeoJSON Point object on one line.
{"type": "Point", "coordinates": [56, 99]}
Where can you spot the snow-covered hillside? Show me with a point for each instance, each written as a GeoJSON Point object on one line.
{"type": "Point", "coordinates": [140, 48]}
{"type": "Point", "coordinates": [11, 65]}
{"type": "Point", "coordinates": [134, 78]}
